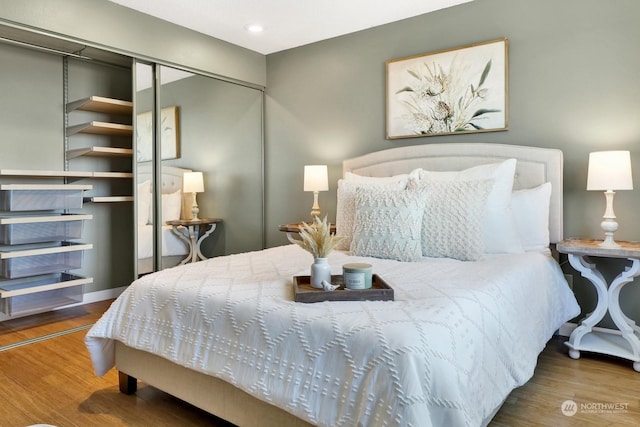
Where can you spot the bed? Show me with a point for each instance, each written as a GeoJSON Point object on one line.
{"type": "Point", "coordinates": [175, 205]}
{"type": "Point", "coordinates": [225, 335]}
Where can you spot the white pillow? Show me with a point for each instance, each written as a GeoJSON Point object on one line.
{"type": "Point", "coordinates": [530, 209]}
{"type": "Point", "coordinates": [345, 213]}
{"type": "Point", "coordinates": [452, 226]}
{"type": "Point", "coordinates": [171, 206]}
{"type": "Point", "coordinates": [387, 224]}
{"type": "Point", "coordinates": [500, 234]}
{"type": "Point", "coordinates": [143, 202]}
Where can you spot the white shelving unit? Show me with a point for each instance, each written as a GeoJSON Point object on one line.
{"type": "Point", "coordinates": [99, 104]}
{"type": "Point", "coordinates": [63, 174]}
{"type": "Point", "coordinates": [35, 252]}
{"type": "Point", "coordinates": [101, 128]}
{"type": "Point", "coordinates": [100, 152]}
{"type": "Point", "coordinates": [108, 199]}
{"type": "Point", "coordinates": [45, 174]}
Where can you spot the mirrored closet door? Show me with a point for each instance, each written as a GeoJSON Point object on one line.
{"type": "Point", "coordinates": [189, 122]}
{"type": "Point", "coordinates": [144, 176]}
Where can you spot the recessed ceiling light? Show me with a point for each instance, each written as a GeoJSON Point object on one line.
{"type": "Point", "coordinates": [254, 28]}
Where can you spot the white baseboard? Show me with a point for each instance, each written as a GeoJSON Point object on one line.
{"type": "Point", "coordinates": [101, 295]}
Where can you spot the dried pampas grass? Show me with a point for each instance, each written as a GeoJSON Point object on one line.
{"type": "Point", "coordinates": [317, 239]}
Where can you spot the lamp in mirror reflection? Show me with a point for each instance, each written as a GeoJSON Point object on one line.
{"type": "Point", "coordinates": [609, 171]}
{"type": "Point", "coordinates": [316, 179]}
{"type": "Point", "coordinates": [193, 182]}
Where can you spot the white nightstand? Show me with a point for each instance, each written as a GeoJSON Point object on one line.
{"type": "Point", "coordinates": [625, 342]}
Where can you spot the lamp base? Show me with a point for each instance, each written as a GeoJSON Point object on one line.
{"type": "Point", "coordinates": [194, 209]}
{"type": "Point", "coordinates": [315, 209]}
{"type": "Point", "coordinates": [609, 243]}
{"type": "Point", "coordinates": [609, 225]}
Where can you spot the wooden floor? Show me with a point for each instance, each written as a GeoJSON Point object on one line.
{"type": "Point", "coordinates": [51, 381]}
{"type": "Point", "coordinates": [50, 323]}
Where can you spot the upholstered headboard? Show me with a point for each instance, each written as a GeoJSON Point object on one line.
{"type": "Point", "coordinates": [535, 166]}
{"type": "Point", "coordinates": [171, 181]}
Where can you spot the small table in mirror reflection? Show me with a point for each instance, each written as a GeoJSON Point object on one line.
{"type": "Point", "coordinates": [294, 228]}
{"type": "Point", "coordinates": [193, 232]}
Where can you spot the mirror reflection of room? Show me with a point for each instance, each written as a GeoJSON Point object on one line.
{"type": "Point", "coordinates": [203, 125]}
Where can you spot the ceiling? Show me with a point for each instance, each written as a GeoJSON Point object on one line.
{"type": "Point", "coordinates": [287, 23]}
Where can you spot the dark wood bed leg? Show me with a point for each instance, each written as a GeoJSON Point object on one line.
{"type": "Point", "coordinates": [128, 384]}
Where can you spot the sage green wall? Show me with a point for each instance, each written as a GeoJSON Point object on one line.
{"type": "Point", "coordinates": [114, 26]}
{"type": "Point", "coordinates": [573, 70]}
{"type": "Point", "coordinates": [30, 83]}
{"type": "Point", "coordinates": [221, 136]}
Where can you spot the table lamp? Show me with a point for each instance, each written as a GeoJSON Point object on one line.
{"type": "Point", "coordinates": [316, 180]}
{"type": "Point", "coordinates": [609, 171]}
{"type": "Point", "coordinates": [193, 182]}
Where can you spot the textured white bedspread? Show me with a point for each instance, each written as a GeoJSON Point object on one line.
{"type": "Point", "coordinates": [457, 339]}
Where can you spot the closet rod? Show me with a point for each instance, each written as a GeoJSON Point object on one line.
{"type": "Point", "coordinates": [42, 48]}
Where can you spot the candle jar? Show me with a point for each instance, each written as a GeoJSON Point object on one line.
{"type": "Point", "coordinates": [357, 275]}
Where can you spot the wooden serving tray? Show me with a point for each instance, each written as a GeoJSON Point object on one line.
{"type": "Point", "coordinates": [304, 292]}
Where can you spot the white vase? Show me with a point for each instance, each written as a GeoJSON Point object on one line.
{"type": "Point", "coordinates": [320, 270]}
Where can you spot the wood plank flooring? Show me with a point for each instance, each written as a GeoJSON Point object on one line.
{"type": "Point", "coordinates": [606, 391]}
{"type": "Point", "coordinates": [51, 381]}
{"type": "Point", "coordinates": [52, 322]}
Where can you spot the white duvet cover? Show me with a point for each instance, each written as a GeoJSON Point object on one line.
{"type": "Point", "coordinates": [457, 339]}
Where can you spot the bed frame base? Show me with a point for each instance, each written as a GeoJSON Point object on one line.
{"type": "Point", "coordinates": [208, 393]}
{"type": "Point", "coordinates": [127, 383]}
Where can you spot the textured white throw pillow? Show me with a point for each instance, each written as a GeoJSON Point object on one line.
{"type": "Point", "coordinates": [500, 234]}
{"type": "Point", "coordinates": [345, 212]}
{"type": "Point", "coordinates": [530, 209]}
{"type": "Point", "coordinates": [388, 224]}
{"type": "Point", "coordinates": [452, 226]}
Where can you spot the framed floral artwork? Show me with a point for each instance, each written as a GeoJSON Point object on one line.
{"type": "Point", "coordinates": [169, 136]}
{"type": "Point", "coordinates": [447, 92]}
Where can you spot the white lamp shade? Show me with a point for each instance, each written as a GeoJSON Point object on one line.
{"type": "Point", "coordinates": [609, 170]}
{"type": "Point", "coordinates": [192, 182]}
{"type": "Point", "coordinates": [316, 178]}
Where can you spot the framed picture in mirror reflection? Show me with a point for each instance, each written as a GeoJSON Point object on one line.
{"type": "Point", "coordinates": [169, 136]}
